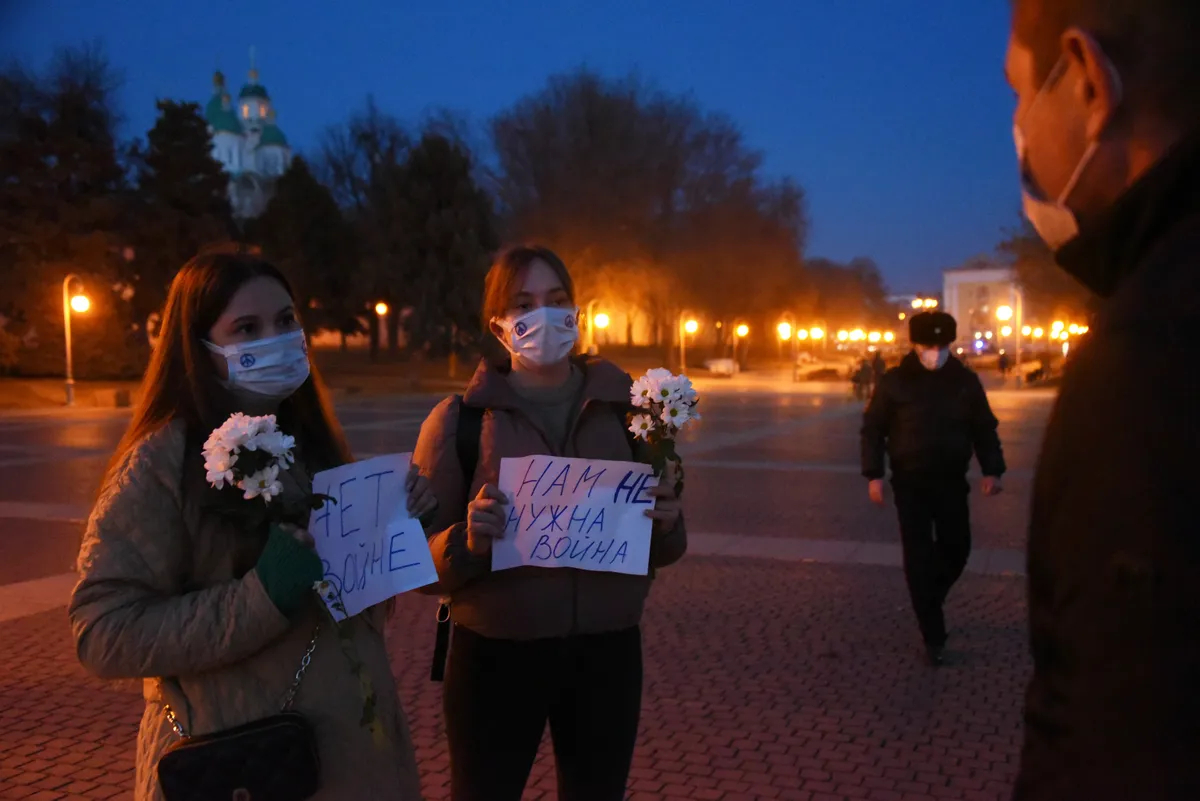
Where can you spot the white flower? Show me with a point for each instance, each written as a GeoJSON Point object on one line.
{"type": "Point", "coordinates": [643, 392]}
{"type": "Point", "coordinates": [659, 374]}
{"type": "Point", "coordinates": [683, 389]}
{"type": "Point", "coordinates": [265, 484]}
{"type": "Point", "coordinates": [241, 432]}
{"type": "Point", "coordinates": [675, 414]}
{"type": "Point", "coordinates": [641, 426]}
{"type": "Point", "coordinates": [276, 443]}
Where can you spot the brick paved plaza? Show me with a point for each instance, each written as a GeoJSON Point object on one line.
{"type": "Point", "coordinates": [782, 658]}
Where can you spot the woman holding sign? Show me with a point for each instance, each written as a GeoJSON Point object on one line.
{"type": "Point", "coordinates": [536, 645]}
{"type": "Point", "coordinates": [252, 691]}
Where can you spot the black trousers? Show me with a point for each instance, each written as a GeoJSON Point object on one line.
{"type": "Point", "coordinates": [499, 695]}
{"type": "Point", "coordinates": [935, 528]}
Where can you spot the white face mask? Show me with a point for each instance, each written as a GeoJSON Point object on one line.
{"type": "Point", "coordinates": [1054, 221]}
{"type": "Point", "coordinates": [934, 358]}
{"type": "Point", "coordinates": [271, 368]}
{"type": "Point", "coordinates": [543, 336]}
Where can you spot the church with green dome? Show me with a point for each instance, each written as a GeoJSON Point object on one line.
{"type": "Point", "coordinates": [247, 142]}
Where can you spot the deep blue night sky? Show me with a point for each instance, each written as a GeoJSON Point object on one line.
{"type": "Point", "coordinates": [893, 114]}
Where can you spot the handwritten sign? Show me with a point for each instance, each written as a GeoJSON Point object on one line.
{"type": "Point", "coordinates": [370, 546]}
{"type": "Point", "coordinates": [583, 513]}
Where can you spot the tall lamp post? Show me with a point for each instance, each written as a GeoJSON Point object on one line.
{"type": "Point", "coordinates": [687, 325]}
{"type": "Point", "coordinates": [741, 331]}
{"type": "Point", "coordinates": [1006, 313]}
{"type": "Point", "coordinates": [71, 303]}
{"type": "Point", "coordinates": [594, 320]}
{"type": "Point", "coordinates": [786, 334]}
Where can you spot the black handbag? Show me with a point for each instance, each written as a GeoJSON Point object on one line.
{"type": "Point", "coordinates": [272, 759]}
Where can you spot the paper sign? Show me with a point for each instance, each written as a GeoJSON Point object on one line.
{"type": "Point", "coordinates": [370, 546]}
{"type": "Point", "coordinates": [583, 513]}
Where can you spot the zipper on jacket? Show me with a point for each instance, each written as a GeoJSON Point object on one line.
{"type": "Point", "coordinates": [569, 441]}
{"type": "Point", "coordinates": [554, 451]}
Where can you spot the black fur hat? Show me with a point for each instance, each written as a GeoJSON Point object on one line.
{"type": "Point", "coordinates": [932, 328]}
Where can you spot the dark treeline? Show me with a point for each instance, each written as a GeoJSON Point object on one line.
{"type": "Point", "coordinates": [657, 204]}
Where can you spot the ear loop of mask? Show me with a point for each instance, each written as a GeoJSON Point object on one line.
{"type": "Point", "coordinates": [1056, 74]}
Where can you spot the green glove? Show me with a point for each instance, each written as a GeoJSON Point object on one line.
{"type": "Point", "coordinates": [288, 569]}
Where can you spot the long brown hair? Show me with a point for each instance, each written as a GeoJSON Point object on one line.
{"type": "Point", "coordinates": [507, 271]}
{"type": "Point", "coordinates": [182, 381]}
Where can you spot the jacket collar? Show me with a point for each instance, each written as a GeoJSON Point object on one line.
{"type": "Point", "coordinates": [1113, 246]}
{"type": "Point", "coordinates": [602, 381]}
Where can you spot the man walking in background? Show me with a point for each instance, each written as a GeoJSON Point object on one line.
{"type": "Point", "coordinates": [929, 414]}
{"type": "Point", "coordinates": [1107, 126]}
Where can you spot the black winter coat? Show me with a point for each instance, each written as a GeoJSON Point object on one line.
{"type": "Point", "coordinates": [930, 421]}
{"type": "Point", "coordinates": [1113, 709]}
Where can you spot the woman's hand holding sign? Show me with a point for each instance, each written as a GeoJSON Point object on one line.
{"type": "Point", "coordinates": [667, 507]}
{"type": "Point", "coordinates": [421, 501]}
{"type": "Point", "coordinates": [485, 519]}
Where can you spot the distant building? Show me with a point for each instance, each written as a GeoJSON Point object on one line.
{"type": "Point", "coordinates": [973, 293]}
{"type": "Point", "coordinates": [247, 142]}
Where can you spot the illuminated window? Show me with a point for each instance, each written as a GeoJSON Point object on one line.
{"type": "Point", "coordinates": [262, 110]}
{"type": "Point", "coordinates": [246, 110]}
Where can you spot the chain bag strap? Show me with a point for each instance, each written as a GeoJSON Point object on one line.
{"type": "Point", "coordinates": [272, 759]}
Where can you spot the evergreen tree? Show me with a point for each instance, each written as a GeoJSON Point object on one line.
{"type": "Point", "coordinates": [182, 201]}
{"type": "Point", "coordinates": [304, 232]}
{"type": "Point", "coordinates": [447, 224]}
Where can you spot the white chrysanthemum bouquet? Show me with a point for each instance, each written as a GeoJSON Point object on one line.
{"type": "Point", "coordinates": [665, 403]}
{"type": "Point", "coordinates": [248, 453]}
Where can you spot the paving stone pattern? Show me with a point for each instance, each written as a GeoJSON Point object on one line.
{"type": "Point", "coordinates": [765, 680]}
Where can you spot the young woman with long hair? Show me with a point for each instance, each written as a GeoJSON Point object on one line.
{"type": "Point", "coordinates": [189, 588]}
{"type": "Point", "coordinates": [535, 645]}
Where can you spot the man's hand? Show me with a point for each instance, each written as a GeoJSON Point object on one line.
{"type": "Point", "coordinates": [875, 491]}
{"type": "Point", "coordinates": [992, 486]}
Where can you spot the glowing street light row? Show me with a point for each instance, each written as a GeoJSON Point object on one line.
{"type": "Point", "coordinates": [785, 332]}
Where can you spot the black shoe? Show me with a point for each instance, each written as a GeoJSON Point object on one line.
{"type": "Point", "coordinates": [936, 654]}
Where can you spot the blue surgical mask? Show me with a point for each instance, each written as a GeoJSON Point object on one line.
{"type": "Point", "coordinates": [270, 368]}
{"type": "Point", "coordinates": [546, 335]}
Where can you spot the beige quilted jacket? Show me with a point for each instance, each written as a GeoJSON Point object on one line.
{"type": "Point", "coordinates": [160, 596]}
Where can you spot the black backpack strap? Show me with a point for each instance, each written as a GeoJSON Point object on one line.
{"type": "Point", "coordinates": [466, 443]}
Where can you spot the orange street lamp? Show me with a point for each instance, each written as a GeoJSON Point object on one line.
{"type": "Point", "coordinates": [785, 331]}
{"type": "Point", "coordinates": [917, 303]}
{"type": "Point", "coordinates": [79, 304]}
{"type": "Point", "coordinates": [843, 335]}
{"type": "Point", "coordinates": [381, 309]}
{"type": "Point", "coordinates": [874, 337]}
{"type": "Point", "coordinates": [743, 330]}
{"type": "Point", "coordinates": [931, 303]}
{"type": "Point", "coordinates": [687, 325]}
{"type": "Point", "coordinates": [888, 336]}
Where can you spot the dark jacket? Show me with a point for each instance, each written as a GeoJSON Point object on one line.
{"type": "Point", "coordinates": [529, 603]}
{"type": "Point", "coordinates": [930, 421]}
{"type": "Point", "coordinates": [1113, 709]}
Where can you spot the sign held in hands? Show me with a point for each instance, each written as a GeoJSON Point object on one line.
{"type": "Point", "coordinates": [583, 513]}
{"type": "Point", "coordinates": [371, 548]}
